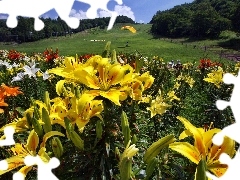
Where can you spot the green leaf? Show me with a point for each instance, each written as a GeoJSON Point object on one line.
{"type": "Point", "coordinates": [201, 171]}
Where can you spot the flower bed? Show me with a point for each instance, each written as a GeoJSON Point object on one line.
{"type": "Point", "coordinates": [116, 116]}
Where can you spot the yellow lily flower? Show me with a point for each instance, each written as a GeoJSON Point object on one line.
{"type": "Point", "coordinates": [83, 109]}
{"type": "Point", "coordinates": [146, 79]}
{"type": "Point", "coordinates": [20, 151]}
{"type": "Point", "coordinates": [237, 66]}
{"type": "Point", "coordinates": [158, 106]}
{"type": "Point", "coordinates": [78, 110]}
{"type": "Point", "coordinates": [203, 147]}
{"type": "Point", "coordinates": [58, 110]}
{"type": "Point", "coordinates": [107, 81]}
{"type": "Point", "coordinates": [70, 66]}
{"type": "Point", "coordinates": [172, 96]}
{"type": "Point", "coordinates": [176, 85]}
{"type": "Point", "coordinates": [215, 77]}
{"type": "Point", "coordinates": [189, 80]}
{"type": "Point", "coordinates": [140, 83]}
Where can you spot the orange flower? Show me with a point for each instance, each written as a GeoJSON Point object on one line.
{"type": "Point", "coordinates": [10, 91]}
{"type": "Point", "coordinates": [206, 63]}
{"type": "Point", "coordinates": [2, 103]}
{"type": "Point", "coordinates": [7, 91]}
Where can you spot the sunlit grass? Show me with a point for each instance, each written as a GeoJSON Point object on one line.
{"type": "Point", "coordinates": [142, 41]}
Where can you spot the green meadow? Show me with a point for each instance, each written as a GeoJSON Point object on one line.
{"type": "Point", "coordinates": [142, 41]}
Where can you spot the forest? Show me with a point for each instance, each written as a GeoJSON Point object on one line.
{"type": "Point", "coordinates": [199, 19]}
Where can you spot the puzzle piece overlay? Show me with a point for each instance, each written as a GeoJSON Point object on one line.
{"type": "Point", "coordinates": [16, 8]}
{"type": "Point", "coordinates": [232, 131]}
{"type": "Point", "coordinates": [44, 169]}
{"type": "Point", "coordinates": [8, 141]}
{"type": "Point", "coordinates": [37, 8]}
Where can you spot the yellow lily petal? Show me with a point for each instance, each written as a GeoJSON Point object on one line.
{"type": "Point", "coordinates": [196, 134]}
{"type": "Point", "coordinates": [32, 141]}
{"type": "Point", "coordinates": [25, 169]}
{"type": "Point", "coordinates": [228, 147]}
{"type": "Point", "coordinates": [116, 73]}
{"type": "Point", "coordinates": [218, 169]}
{"type": "Point", "coordinates": [96, 60]}
{"type": "Point", "coordinates": [60, 87]}
{"type": "Point", "coordinates": [113, 95]}
{"type": "Point", "coordinates": [185, 134]}
{"type": "Point", "coordinates": [84, 99]}
{"type": "Point", "coordinates": [13, 163]}
{"type": "Point", "coordinates": [83, 75]}
{"type": "Point", "coordinates": [96, 107]}
{"type": "Point", "coordinates": [60, 72]}
{"type": "Point", "coordinates": [137, 89]}
{"type": "Point", "coordinates": [81, 123]}
{"type": "Point", "coordinates": [146, 79]}
{"type": "Point", "coordinates": [88, 110]}
{"type": "Point", "coordinates": [187, 150]}
{"type": "Point", "coordinates": [44, 156]}
{"type": "Point", "coordinates": [208, 135]}
{"type": "Point", "coordinates": [55, 119]}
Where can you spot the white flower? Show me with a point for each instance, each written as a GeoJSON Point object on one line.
{"type": "Point", "coordinates": [45, 76]}
{"type": "Point", "coordinates": [26, 59]}
{"type": "Point", "coordinates": [31, 71]}
{"type": "Point", "coordinates": [5, 63]}
{"type": "Point", "coordinates": [15, 65]}
{"type": "Point", "coordinates": [19, 77]}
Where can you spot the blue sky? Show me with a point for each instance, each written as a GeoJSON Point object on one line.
{"type": "Point", "coordinates": [139, 10]}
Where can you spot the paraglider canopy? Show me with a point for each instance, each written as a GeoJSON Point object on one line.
{"type": "Point", "coordinates": [130, 28]}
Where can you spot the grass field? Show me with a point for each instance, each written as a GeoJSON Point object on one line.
{"type": "Point", "coordinates": [142, 41]}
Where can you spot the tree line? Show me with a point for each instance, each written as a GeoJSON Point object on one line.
{"type": "Point", "coordinates": [199, 19]}
{"type": "Point", "coordinates": [25, 32]}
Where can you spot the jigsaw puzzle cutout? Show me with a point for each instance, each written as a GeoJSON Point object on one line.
{"type": "Point", "coordinates": [233, 167]}
{"type": "Point", "coordinates": [232, 131]}
{"type": "Point", "coordinates": [15, 8]}
{"type": "Point", "coordinates": [8, 133]}
{"type": "Point", "coordinates": [44, 169]}
{"type": "Point", "coordinates": [3, 165]}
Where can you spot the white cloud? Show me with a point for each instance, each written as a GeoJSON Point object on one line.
{"type": "Point", "coordinates": [102, 13]}
{"type": "Point", "coordinates": [78, 14]}
{"type": "Point", "coordinates": [140, 21]}
{"type": "Point", "coordinates": [121, 10]}
{"type": "Point", "coordinates": [125, 11]}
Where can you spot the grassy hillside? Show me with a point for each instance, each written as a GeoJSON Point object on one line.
{"type": "Point", "coordinates": [141, 41]}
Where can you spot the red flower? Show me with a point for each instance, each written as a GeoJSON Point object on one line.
{"type": "Point", "coordinates": [50, 55]}
{"type": "Point", "coordinates": [85, 57]}
{"type": "Point", "coordinates": [206, 63]}
{"type": "Point", "coordinates": [14, 55]}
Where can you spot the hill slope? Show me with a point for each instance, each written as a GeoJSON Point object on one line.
{"type": "Point", "coordinates": [142, 41]}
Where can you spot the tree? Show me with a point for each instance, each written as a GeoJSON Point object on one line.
{"type": "Point", "coordinates": [236, 19]}
{"type": "Point", "coordinates": [204, 20]}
